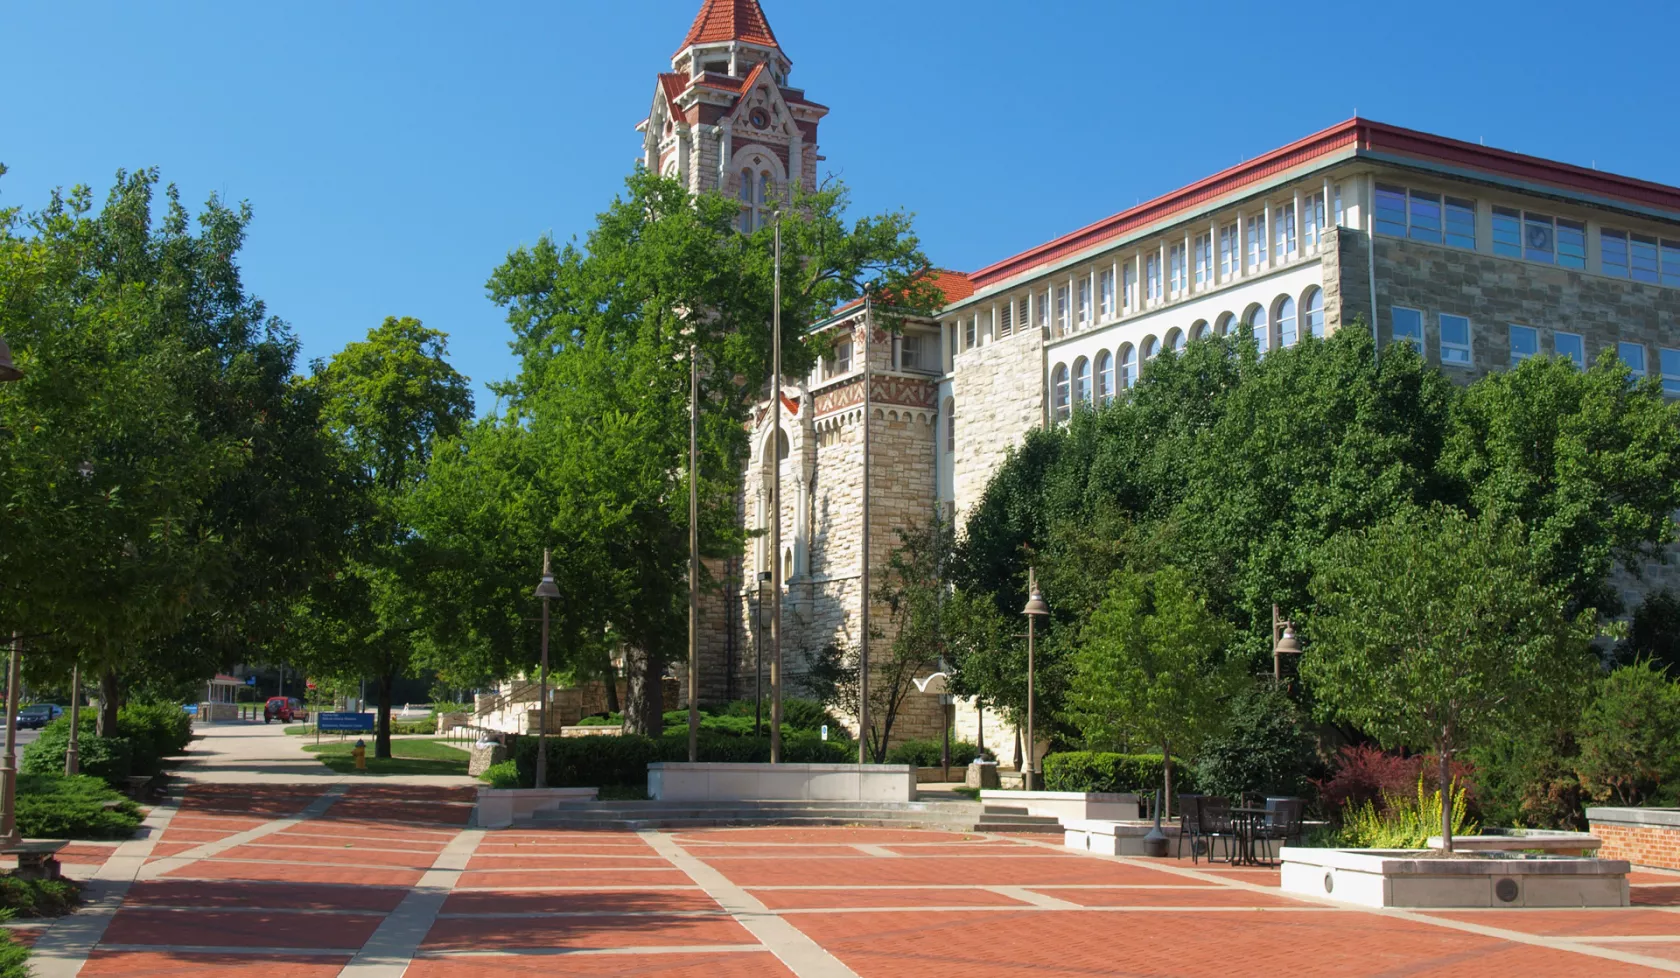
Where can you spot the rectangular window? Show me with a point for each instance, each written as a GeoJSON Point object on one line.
{"type": "Point", "coordinates": [1507, 232]}
{"type": "Point", "coordinates": [1642, 254]}
{"type": "Point", "coordinates": [1006, 319]}
{"type": "Point", "coordinates": [1461, 223]}
{"type": "Point", "coordinates": [1284, 218]}
{"type": "Point", "coordinates": [1525, 343]}
{"type": "Point", "coordinates": [1633, 354]}
{"type": "Point", "coordinates": [1539, 238]}
{"type": "Point", "coordinates": [1044, 309]}
{"type": "Point", "coordinates": [1408, 326]}
{"type": "Point", "coordinates": [1023, 313]}
{"type": "Point", "coordinates": [1152, 276]}
{"type": "Point", "coordinates": [1571, 345]}
{"type": "Point", "coordinates": [1669, 361]}
{"type": "Point", "coordinates": [1180, 272]}
{"type": "Point", "coordinates": [1229, 248]}
{"type": "Point", "coordinates": [1313, 218]}
{"type": "Point", "coordinates": [1204, 260]}
{"type": "Point", "coordinates": [1337, 190]}
{"type": "Point", "coordinates": [1670, 262]}
{"type": "Point", "coordinates": [843, 352]}
{"type": "Point", "coordinates": [1107, 290]}
{"type": "Point", "coordinates": [1571, 244]}
{"type": "Point", "coordinates": [1085, 301]}
{"type": "Point", "coordinates": [1129, 289]}
{"type": "Point", "coordinates": [1391, 211]}
{"type": "Point", "coordinates": [1455, 340]}
{"type": "Point", "coordinates": [1426, 217]}
{"type": "Point", "coordinates": [1256, 241]}
{"type": "Point", "coordinates": [1613, 252]}
{"type": "Point", "coordinates": [910, 352]}
{"type": "Point", "coordinates": [1061, 309]}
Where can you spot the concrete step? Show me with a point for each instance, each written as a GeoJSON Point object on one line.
{"type": "Point", "coordinates": [958, 816]}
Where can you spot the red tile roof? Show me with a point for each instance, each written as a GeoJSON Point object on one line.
{"type": "Point", "coordinates": [955, 286]}
{"type": "Point", "coordinates": [1369, 139]}
{"type": "Point", "coordinates": [731, 20]}
{"type": "Point", "coordinates": [674, 85]}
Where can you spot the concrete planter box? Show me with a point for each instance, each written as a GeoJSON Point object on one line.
{"type": "Point", "coordinates": [499, 808]}
{"type": "Point", "coordinates": [671, 781]}
{"type": "Point", "coordinates": [1065, 805]}
{"type": "Point", "coordinates": [1417, 879]}
{"type": "Point", "coordinates": [1516, 840]}
{"type": "Point", "coordinates": [1114, 838]}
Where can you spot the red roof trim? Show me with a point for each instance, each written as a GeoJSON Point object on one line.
{"type": "Point", "coordinates": [1362, 135]}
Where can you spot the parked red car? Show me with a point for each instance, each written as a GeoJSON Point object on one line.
{"type": "Point", "coordinates": [286, 709]}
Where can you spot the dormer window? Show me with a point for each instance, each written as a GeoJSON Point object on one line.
{"type": "Point", "coordinates": [718, 67]}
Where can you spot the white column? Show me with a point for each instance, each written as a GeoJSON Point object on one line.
{"type": "Point", "coordinates": [1300, 239]}
{"type": "Point", "coordinates": [993, 332]}
{"type": "Point", "coordinates": [1118, 283]}
{"type": "Point", "coordinates": [1329, 205]}
{"type": "Point", "coordinates": [1161, 269]}
{"type": "Point", "coordinates": [682, 135]}
{"type": "Point", "coordinates": [796, 163]}
{"type": "Point", "coordinates": [726, 149]}
{"type": "Point", "coordinates": [1239, 248]}
{"type": "Point", "coordinates": [1189, 265]}
{"type": "Point", "coordinates": [1213, 253]}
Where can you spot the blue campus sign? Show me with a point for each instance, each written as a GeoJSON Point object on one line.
{"type": "Point", "coordinates": [344, 722]}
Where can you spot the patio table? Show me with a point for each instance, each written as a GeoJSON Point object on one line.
{"type": "Point", "coordinates": [1247, 821]}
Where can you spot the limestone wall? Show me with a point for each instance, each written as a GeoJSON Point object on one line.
{"type": "Point", "coordinates": [998, 394]}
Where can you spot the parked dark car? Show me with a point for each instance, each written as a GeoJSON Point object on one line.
{"type": "Point", "coordinates": [37, 716]}
{"type": "Point", "coordinates": [286, 709]}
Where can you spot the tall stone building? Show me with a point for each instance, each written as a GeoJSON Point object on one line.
{"type": "Point", "coordinates": [1478, 257]}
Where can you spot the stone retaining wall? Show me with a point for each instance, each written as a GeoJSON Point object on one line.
{"type": "Point", "coordinates": [1642, 836]}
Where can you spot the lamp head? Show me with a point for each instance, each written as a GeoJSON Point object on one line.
{"type": "Point", "coordinates": [1035, 605]}
{"type": "Point", "coordinates": [547, 589]}
{"type": "Point", "coordinates": [1288, 644]}
{"type": "Point", "coordinates": [8, 370]}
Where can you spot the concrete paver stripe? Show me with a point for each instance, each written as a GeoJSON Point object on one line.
{"type": "Point", "coordinates": [314, 809]}
{"type": "Point", "coordinates": [546, 952]}
{"type": "Point", "coordinates": [393, 945]}
{"type": "Point", "coordinates": [802, 955]}
{"type": "Point", "coordinates": [240, 950]}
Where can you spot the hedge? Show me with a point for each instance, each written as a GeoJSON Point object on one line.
{"type": "Point", "coordinates": [1097, 771]}
{"type": "Point", "coordinates": [109, 758]}
{"type": "Point", "coordinates": [52, 806]}
{"type": "Point", "coordinates": [622, 759]}
{"type": "Point", "coordinates": [926, 753]}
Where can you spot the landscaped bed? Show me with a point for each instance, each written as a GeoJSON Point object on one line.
{"type": "Point", "coordinates": [53, 806]}
{"type": "Point", "coordinates": [407, 757]}
{"type": "Point", "coordinates": [1434, 879]}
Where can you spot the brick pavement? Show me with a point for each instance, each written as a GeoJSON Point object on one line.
{"type": "Point", "coordinates": [369, 881]}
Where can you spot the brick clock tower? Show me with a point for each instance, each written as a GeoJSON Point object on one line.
{"type": "Point", "coordinates": [724, 118]}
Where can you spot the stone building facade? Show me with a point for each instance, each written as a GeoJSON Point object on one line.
{"type": "Point", "coordinates": [1479, 257]}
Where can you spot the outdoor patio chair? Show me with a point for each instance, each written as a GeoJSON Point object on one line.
{"type": "Point", "coordinates": [1282, 823]}
{"type": "Point", "coordinates": [1214, 822]}
{"type": "Point", "coordinates": [1189, 811]}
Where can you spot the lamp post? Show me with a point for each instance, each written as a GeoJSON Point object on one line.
{"type": "Point", "coordinates": [72, 760]}
{"type": "Point", "coordinates": [776, 503]}
{"type": "Point", "coordinates": [1284, 643]}
{"type": "Point", "coordinates": [758, 662]}
{"type": "Point", "coordinates": [545, 591]}
{"type": "Point", "coordinates": [693, 554]}
{"type": "Point", "coordinates": [8, 766]}
{"type": "Point", "coordinates": [1035, 609]}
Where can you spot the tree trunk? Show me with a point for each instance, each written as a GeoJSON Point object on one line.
{"type": "Point", "coordinates": [382, 729]}
{"type": "Point", "coordinates": [109, 700]}
{"type": "Point", "coordinates": [1166, 780]}
{"type": "Point", "coordinates": [612, 687]}
{"type": "Point", "coordinates": [644, 707]}
{"type": "Point", "coordinates": [1445, 754]}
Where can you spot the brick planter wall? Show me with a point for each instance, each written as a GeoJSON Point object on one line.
{"type": "Point", "coordinates": [1642, 836]}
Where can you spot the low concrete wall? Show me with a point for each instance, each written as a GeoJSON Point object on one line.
{"type": "Point", "coordinates": [1400, 878]}
{"type": "Point", "coordinates": [671, 781]}
{"type": "Point", "coordinates": [1114, 838]}
{"type": "Point", "coordinates": [1642, 836]}
{"type": "Point", "coordinates": [500, 807]}
{"type": "Point", "coordinates": [1065, 805]}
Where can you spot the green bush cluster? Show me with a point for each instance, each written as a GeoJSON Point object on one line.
{"type": "Point", "coordinates": [622, 759]}
{"type": "Point", "coordinates": [14, 957]}
{"type": "Point", "coordinates": [926, 753]}
{"type": "Point", "coordinates": [108, 758]}
{"type": "Point", "coordinates": [797, 714]}
{"type": "Point", "coordinates": [156, 730]}
{"type": "Point", "coordinates": [1086, 770]}
{"type": "Point", "coordinates": [502, 775]}
{"type": "Point", "coordinates": [35, 898]}
{"type": "Point", "coordinates": [1402, 822]}
{"type": "Point", "coordinates": [53, 806]}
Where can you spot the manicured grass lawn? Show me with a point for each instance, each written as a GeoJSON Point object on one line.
{"type": "Point", "coordinates": [407, 757]}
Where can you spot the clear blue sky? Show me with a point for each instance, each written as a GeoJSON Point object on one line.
{"type": "Point", "coordinates": [395, 152]}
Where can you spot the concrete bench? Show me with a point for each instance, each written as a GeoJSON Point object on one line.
{"type": "Point", "coordinates": [143, 787]}
{"type": "Point", "coordinates": [35, 860]}
{"type": "Point", "coordinates": [1518, 840]}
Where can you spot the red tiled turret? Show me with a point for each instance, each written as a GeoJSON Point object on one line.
{"type": "Point", "coordinates": [731, 20]}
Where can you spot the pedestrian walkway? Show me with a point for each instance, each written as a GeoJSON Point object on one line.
{"type": "Point", "coordinates": [261, 753]}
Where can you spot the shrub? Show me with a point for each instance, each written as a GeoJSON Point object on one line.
{"type": "Point", "coordinates": [108, 758]}
{"type": "Point", "coordinates": [1630, 738]}
{"type": "Point", "coordinates": [1264, 748]}
{"type": "Point", "coordinates": [37, 898]}
{"type": "Point", "coordinates": [502, 775]}
{"type": "Point", "coordinates": [610, 720]}
{"type": "Point", "coordinates": [1098, 771]}
{"type": "Point", "coordinates": [1529, 780]}
{"type": "Point", "coordinates": [797, 714]}
{"type": "Point", "coordinates": [579, 762]}
{"type": "Point", "coordinates": [926, 753]}
{"type": "Point", "coordinates": [1403, 822]}
{"type": "Point", "coordinates": [1366, 774]}
{"type": "Point", "coordinates": [155, 730]}
{"type": "Point", "coordinates": [14, 957]}
{"type": "Point", "coordinates": [53, 806]}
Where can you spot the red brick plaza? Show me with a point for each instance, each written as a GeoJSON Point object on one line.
{"type": "Point", "coordinates": [376, 881]}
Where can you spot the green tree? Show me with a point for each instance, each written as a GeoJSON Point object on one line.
{"type": "Point", "coordinates": [1263, 747]}
{"type": "Point", "coordinates": [1151, 667]}
{"type": "Point", "coordinates": [1654, 632]}
{"type": "Point", "coordinates": [388, 399]}
{"type": "Point", "coordinates": [1436, 631]}
{"type": "Point", "coordinates": [1630, 737]}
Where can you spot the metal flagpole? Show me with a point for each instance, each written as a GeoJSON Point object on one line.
{"type": "Point", "coordinates": [693, 555]}
{"type": "Point", "coordinates": [863, 576]}
{"type": "Point", "coordinates": [776, 505]}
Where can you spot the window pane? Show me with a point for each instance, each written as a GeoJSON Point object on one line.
{"type": "Point", "coordinates": [1613, 253]}
{"type": "Point", "coordinates": [1391, 211]}
{"type": "Point", "coordinates": [1461, 223]}
{"type": "Point", "coordinates": [1670, 262]}
{"type": "Point", "coordinates": [1525, 342]}
{"type": "Point", "coordinates": [1455, 340]}
{"type": "Point", "coordinates": [1669, 360]}
{"type": "Point", "coordinates": [1426, 217]}
{"type": "Point", "coordinates": [1408, 326]}
{"type": "Point", "coordinates": [1507, 233]}
{"type": "Point", "coordinates": [1643, 259]}
{"type": "Point", "coordinates": [1315, 313]}
{"type": "Point", "coordinates": [1286, 322]}
{"type": "Point", "coordinates": [1128, 366]}
{"type": "Point", "coordinates": [1285, 221]}
{"type": "Point", "coordinates": [1572, 346]}
{"type": "Point", "coordinates": [1257, 323]}
{"type": "Point", "coordinates": [1571, 244]}
{"type": "Point", "coordinates": [1082, 381]}
{"type": "Point", "coordinates": [1632, 354]}
{"type": "Point", "coordinates": [1105, 376]}
{"type": "Point", "coordinates": [1538, 234]}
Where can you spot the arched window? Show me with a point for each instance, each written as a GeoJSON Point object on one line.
{"type": "Point", "coordinates": [950, 424]}
{"type": "Point", "coordinates": [1313, 311]}
{"type": "Point", "coordinates": [1222, 325]}
{"type": "Point", "coordinates": [1059, 392]}
{"type": "Point", "coordinates": [1105, 377]}
{"type": "Point", "coordinates": [747, 208]}
{"type": "Point", "coordinates": [1175, 340]}
{"type": "Point", "coordinates": [1082, 381]}
{"type": "Point", "coordinates": [1198, 330]}
{"type": "Point", "coordinates": [1128, 365]}
{"type": "Point", "coordinates": [1150, 348]}
{"type": "Point", "coordinates": [763, 193]}
{"type": "Point", "coordinates": [1286, 322]}
{"type": "Point", "coordinates": [1256, 320]}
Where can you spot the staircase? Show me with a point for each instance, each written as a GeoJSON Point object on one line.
{"type": "Point", "coordinates": [951, 816]}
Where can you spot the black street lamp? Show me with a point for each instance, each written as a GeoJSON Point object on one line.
{"type": "Point", "coordinates": [1035, 609]}
{"type": "Point", "coordinates": [545, 591]}
{"type": "Point", "coordinates": [1283, 643]}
